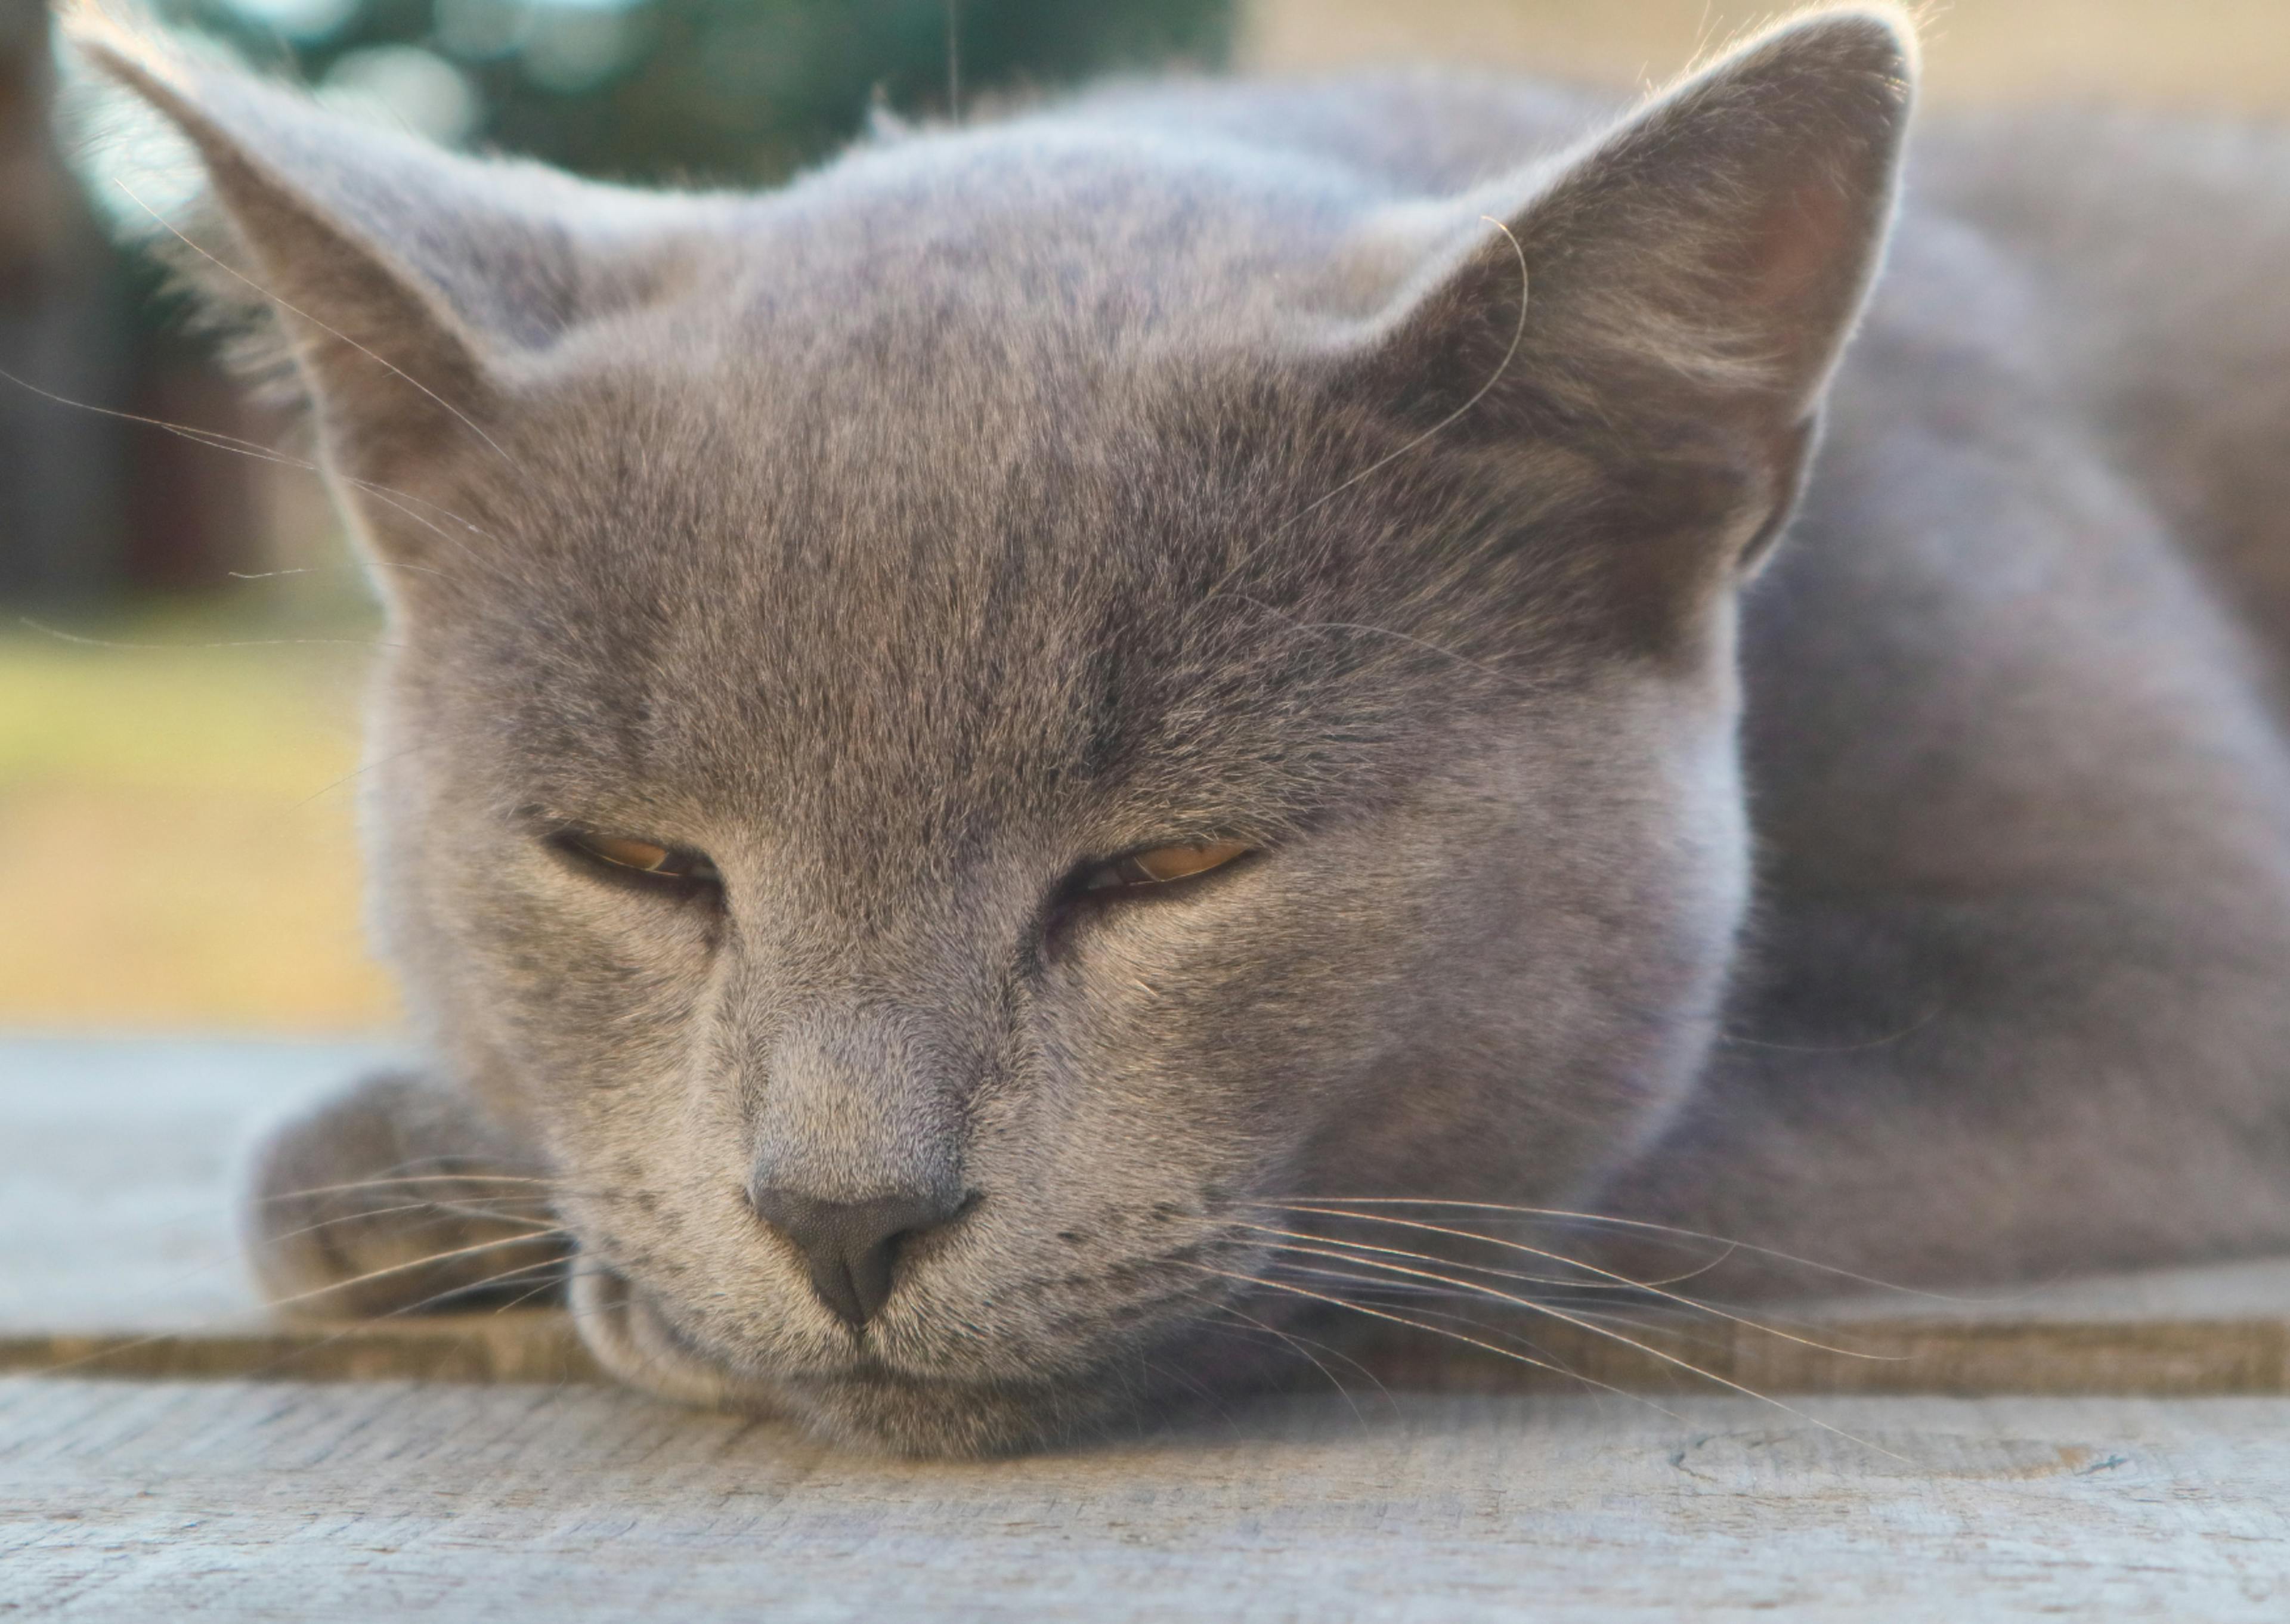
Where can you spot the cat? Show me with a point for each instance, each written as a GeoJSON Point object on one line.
{"type": "Point", "coordinates": [996, 765]}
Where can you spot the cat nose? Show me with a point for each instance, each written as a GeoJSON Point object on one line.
{"type": "Point", "coordinates": [849, 1245]}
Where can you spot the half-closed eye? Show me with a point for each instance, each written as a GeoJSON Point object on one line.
{"type": "Point", "coordinates": [638, 858]}
{"type": "Point", "coordinates": [1159, 865]}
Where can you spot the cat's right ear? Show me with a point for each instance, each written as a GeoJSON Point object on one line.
{"type": "Point", "coordinates": [1668, 302]}
{"type": "Point", "coordinates": [404, 280]}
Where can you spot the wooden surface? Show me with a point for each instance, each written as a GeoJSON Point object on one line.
{"type": "Point", "coordinates": [257, 1501]}
{"type": "Point", "coordinates": [511, 1485]}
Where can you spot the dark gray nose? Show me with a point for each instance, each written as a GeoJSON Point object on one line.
{"type": "Point", "coordinates": [849, 1245]}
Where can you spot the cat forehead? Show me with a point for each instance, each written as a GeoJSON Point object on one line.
{"type": "Point", "coordinates": [986, 264]}
{"type": "Point", "coordinates": [984, 456]}
{"type": "Point", "coordinates": [1000, 596]}
{"type": "Point", "coordinates": [972, 208]}
{"type": "Point", "coordinates": [896, 546]}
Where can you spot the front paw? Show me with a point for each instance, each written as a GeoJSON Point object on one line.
{"type": "Point", "coordinates": [394, 1196]}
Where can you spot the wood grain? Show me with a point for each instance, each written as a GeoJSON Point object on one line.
{"type": "Point", "coordinates": [252, 1502]}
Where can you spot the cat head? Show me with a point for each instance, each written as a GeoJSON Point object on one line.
{"type": "Point", "coordinates": [961, 734]}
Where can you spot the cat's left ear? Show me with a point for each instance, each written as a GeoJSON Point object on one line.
{"type": "Point", "coordinates": [1688, 282]}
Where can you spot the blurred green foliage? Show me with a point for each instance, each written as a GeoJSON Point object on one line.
{"type": "Point", "coordinates": [720, 90]}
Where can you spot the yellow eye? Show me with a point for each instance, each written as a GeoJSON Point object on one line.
{"type": "Point", "coordinates": [1163, 864]}
{"type": "Point", "coordinates": [639, 856]}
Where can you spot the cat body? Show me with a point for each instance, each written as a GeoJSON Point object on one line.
{"type": "Point", "coordinates": [1372, 493]}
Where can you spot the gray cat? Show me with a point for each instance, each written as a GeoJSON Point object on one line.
{"type": "Point", "coordinates": [969, 741]}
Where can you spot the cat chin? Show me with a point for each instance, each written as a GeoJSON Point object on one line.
{"type": "Point", "coordinates": [873, 1408]}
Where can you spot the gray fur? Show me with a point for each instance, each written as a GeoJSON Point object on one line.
{"type": "Point", "coordinates": [1177, 465]}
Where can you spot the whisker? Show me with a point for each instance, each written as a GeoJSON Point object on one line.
{"type": "Point", "coordinates": [60, 636]}
{"type": "Point", "coordinates": [1356, 1308]}
{"type": "Point", "coordinates": [406, 1310]}
{"type": "Point", "coordinates": [522, 1298]}
{"type": "Point", "coordinates": [1901, 1034]}
{"type": "Point", "coordinates": [1411, 1292]}
{"type": "Point", "coordinates": [360, 770]}
{"type": "Point", "coordinates": [391, 1180]}
{"type": "Point", "coordinates": [1516, 1276]}
{"type": "Point", "coordinates": [444, 1211]}
{"type": "Point", "coordinates": [467, 421]}
{"type": "Point", "coordinates": [1304, 1346]}
{"type": "Point", "coordinates": [323, 569]}
{"type": "Point", "coordinates": [113, 1349]}
{"type": "Point", "coordinates": [1606, 1274]}
{"type": "Point", "coordinates": [398, 500]}
{"type": "Point", "coordinates": [1560, 1315]}
{"type": "Point", "coordinates": [386, 1271]}
{"type": "Point", "coordinates": [1510, 678]}
{"type": "Point", "coordinates": [491, 1215]}
{"type": "Point", "coordinates": [215, 439]}
{"type": "Point", "coordinates": [1641, 1225]}
{"type": "Point", "coordinates": [1207, 1395]}
{"type": "Point", "coordinates": [1401, 1288]}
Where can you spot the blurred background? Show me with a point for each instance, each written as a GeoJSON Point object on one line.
{"type": "Point", "coordinates": [182, 632]}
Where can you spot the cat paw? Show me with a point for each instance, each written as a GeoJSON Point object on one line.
{"type": "Point", "coordinates": [393, 1197]}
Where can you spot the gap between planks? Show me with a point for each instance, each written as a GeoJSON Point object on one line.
{"type": "Point", "coordinates": [2154, 1359]}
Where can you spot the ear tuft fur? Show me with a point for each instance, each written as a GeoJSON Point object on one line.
{"type": "Point", "coordinates": [397, 280]}
{"type": "Point", "coordinates": [147, 179]}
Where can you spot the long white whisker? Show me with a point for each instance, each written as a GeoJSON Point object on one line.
{"type": "Point", "coordinates": [1396, 1319]}
{"type": "Point", "coordinates": [214, 439]}
{"type": "Point", "coordinates": [444, 1210]}
{"type": "Point", "coordinates": [1642, 1225]}
{"type": "Point", "coordinates": [1698, 1306]}
{"type": "Point", "coordinates": [468, 421]}
{"type": "Point", "coordinates": [393, 1180]}
{"type": "Point", "coordinates": [1560, 1315]}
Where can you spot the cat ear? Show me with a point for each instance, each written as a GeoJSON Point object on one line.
{"type": "Point", "coordinates": [404, 280]}
{"type": "Point", "coordinates": [1688, 281]}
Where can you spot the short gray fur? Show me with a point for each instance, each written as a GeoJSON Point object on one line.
{"type": "Point", "coordinates": [1177, 465]}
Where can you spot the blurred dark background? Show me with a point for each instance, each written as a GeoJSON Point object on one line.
{"type": "Point", "coordinates": [683, 91]}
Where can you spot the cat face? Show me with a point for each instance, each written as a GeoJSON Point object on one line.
{"type": "Point", "coordinates": [1473, 943]}
{"type": "Point", "coordinates": [961, 734]}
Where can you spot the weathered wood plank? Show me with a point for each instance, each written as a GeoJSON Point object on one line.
{"type": "Point", "coordinates": [256, 1502]}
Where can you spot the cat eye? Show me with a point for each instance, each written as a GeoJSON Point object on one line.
{"type": "Point", "coordinates": [1159, 865]}
{"type": "Point", "coordinates": [639, 858]}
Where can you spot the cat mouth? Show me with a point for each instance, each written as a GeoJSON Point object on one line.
{"type": "Point", "coordinates": [637, 1344]}
{"type": "Point", "coordinates": [868, 1403]}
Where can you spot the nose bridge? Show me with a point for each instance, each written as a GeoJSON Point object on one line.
{"type": "Point", "coordinates": [857, 1101]}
